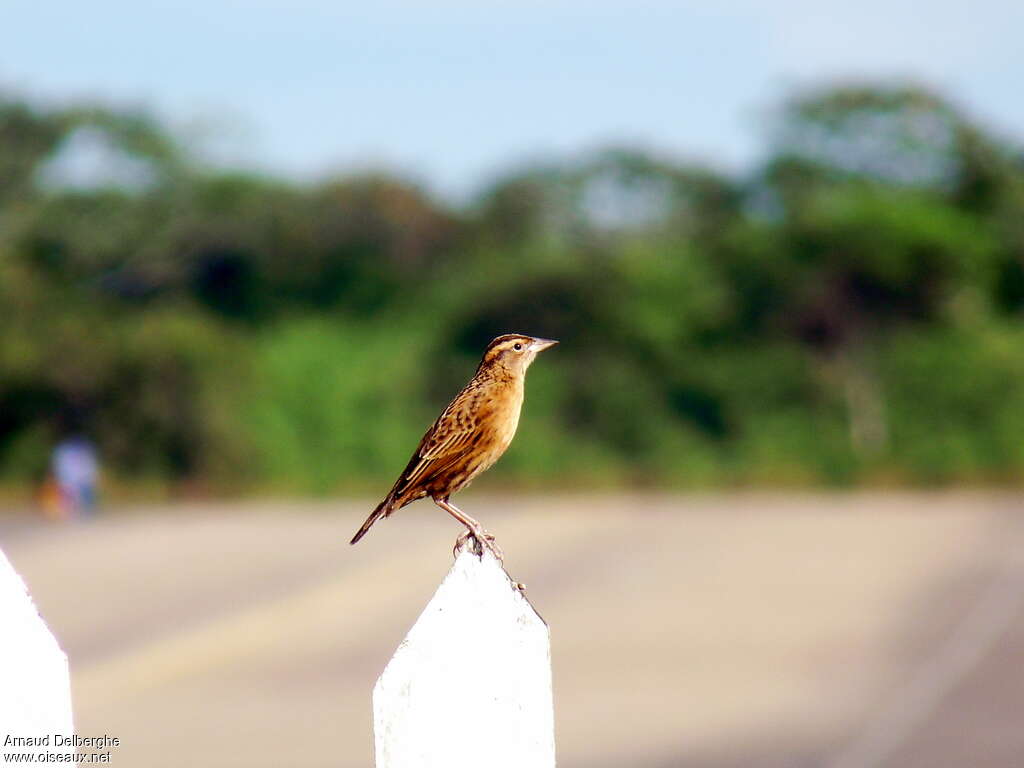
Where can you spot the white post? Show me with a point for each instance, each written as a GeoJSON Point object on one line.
{"type": "Point", "coordinates": [470, 685]}
{"type": "Point", "coordinates": [35, 689]}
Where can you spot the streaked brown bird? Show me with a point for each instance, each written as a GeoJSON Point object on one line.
{"type": "Point", "coordinates": [468, 437]}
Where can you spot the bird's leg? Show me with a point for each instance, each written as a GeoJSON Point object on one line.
{"type": "Point", "coordinates": [473, 531]}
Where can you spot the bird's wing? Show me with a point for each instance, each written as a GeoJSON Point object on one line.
{"type": "Point", "coordinates": [444, 443]}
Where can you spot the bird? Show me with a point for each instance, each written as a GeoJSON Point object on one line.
{"type": "Point", "coordinates": [467, 438]}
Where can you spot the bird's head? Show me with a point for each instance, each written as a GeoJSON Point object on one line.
{"type": "Point", "coordinates": [514, 352]}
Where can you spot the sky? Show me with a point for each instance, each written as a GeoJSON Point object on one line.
{"type": "Point", "coordinates": [453, 92]}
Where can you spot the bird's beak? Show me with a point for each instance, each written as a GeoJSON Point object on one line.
{"type": "Point", "coordinates": [539, 345]}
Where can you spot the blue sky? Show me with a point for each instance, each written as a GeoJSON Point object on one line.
{"type": "Point", "coordinates": [452, 92]}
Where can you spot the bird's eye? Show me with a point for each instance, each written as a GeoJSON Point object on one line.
{"type": "Point", "coordinates": [517, 346]}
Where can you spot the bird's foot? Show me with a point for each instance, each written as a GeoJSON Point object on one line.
{"type": "Point", "coordinates": [477, 541]}
{"type": "Point", "coordinates": [461, 543]}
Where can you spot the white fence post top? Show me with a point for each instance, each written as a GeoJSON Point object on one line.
{"type": "Point", "coordinates": [471, 683]}
{"type": "Point", "coordinates": [35, 689]}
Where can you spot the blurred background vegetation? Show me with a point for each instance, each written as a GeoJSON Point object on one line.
{"type": "Point", "coordinates": [850, 312]}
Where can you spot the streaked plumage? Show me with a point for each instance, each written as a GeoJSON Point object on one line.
{"type": "Point", "coordinates": [468, 437]}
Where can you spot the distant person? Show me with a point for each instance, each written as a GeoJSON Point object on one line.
{"type": "Point", "coordinates": [75, 471]}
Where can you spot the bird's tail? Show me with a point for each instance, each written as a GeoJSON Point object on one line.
{"type": "Point", "coordinates": [381, 511]}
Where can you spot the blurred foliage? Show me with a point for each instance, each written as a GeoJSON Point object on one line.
{"type": "Point", "coordinates": [849, 312]}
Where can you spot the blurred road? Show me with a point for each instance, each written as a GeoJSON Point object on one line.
{"type": "Point", "coordinates": [768, 630]}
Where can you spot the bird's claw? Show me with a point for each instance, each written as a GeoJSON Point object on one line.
{"type": "Point", "coordinates": [476, 542]}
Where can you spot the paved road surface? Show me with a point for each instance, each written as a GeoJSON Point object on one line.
{"type": "Point", "coordinates": [759, 630]}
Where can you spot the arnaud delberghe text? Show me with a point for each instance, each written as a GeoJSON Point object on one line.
{"type": "Point", "coordinates": [60, 740]}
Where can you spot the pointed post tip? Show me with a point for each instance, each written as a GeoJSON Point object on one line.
{"type": "Point", "coordinates": [471, 678]}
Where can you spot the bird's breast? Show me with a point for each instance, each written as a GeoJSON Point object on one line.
{"type": "Point", "coordinates": [509, 421]}
{"type": "Point", "coordinates": [499, 419]}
